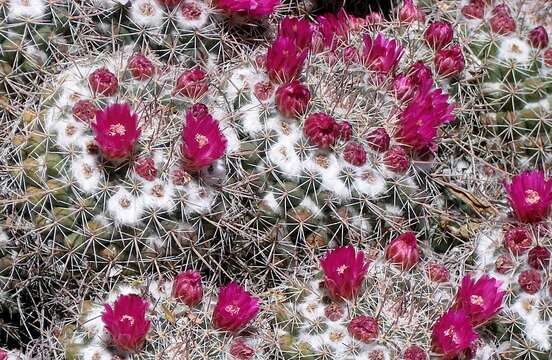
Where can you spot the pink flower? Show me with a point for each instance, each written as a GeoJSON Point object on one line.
{"type": "Point", "coordinates": [502, 24]}
{"type": "Point", "coordinates": [449, 62]}
{"type": "Point", "coordinates": [419, 121]}
{"type": "Point", "coordinates": [538, 257]}
{"type": "Point", "coordinates": [378, 139]}
{"type": "Point", "coordinates": [420, 73]}
{"type": "Point", "coordinates": [321, 129]}
{"type": "Point", "coordinates": [103, 81]}
{"type": "Point", "coordinates": [187, 288]}
{"type": "Point", "coordinates": [3, 354]}
{"type": "Point", "coordinates": [241, 351]}
{"type": "Point", "coordinates": [116, 130]}
{"type": "Point", "coordinates": [396, 159]}
{"type": "Point", "coordinates": [501, 9]}
{"type": "Point", "coordinates": [292, 99]}
{"type": "Point", "coordinates": [126, 321]}
{"type": "Point", "coordinates": [145, 167]}
{"type": "Point", "coordinates": [298, 30]}
{"type": "Point", "coordinates": [453, 334]}
{"type": "Point", "coordinates": [345, 130]}
{"type": "Point", "coordinates": [439, 34]}
{"type": "Point", "coordinates": [284, 61]}
{"type": "Point", "coordinates": [333, 29]}
{"type": "Point", "coordinates": [410, 13]}
{"type": "Point", "coordinates": [344, 271]}
{"type": "Point", "coordinates": [334, 311]}
{"type": "Point", "coordinates": [251, 8]}
{"type": "Point", "coordinates": [530, 281]}
{"type": "Point", "coordinates": [414, 352]}
{"type": "Point", "coordinates": [381, 55]}
{"type": "Point", "coordinates": [84, 111]}
{"type": "Point", "coordinates": [192, 83]}
{"type": "Point", "coordinates": [263, 90]}
{"type": "Point", "coordinates": [473, 11]}
{"type": "Point", "coordinates": [190, 10]}
{"type": "Point", "coordinates": [140, 67]}
{"type": "Point", "coordinates": [403, 251]}
{"type": "Point", "coordinates": [437, 272]}
{"type": "Point", "coordinates": [538, 37]}
{"type": "Point", "coordinates": [202, 140]}
{"type": "Point", "coordinates": [235, 308]}
{"type": "Point", "coordinates": [363, 328]}
{"type": "Point", "coordinates": [354, 154]}
{"type": "Point", "coordinates": [530, 196]}
{"type": "Point", "coordinates": [548, 57]}
{"type": "Point", "coordinates": [480, 299]}
{"type": "Point", "coordinates": [517, 240]}
{"type": "Point", "coordinates": [403, 87]}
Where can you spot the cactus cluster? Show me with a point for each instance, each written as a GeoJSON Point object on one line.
{"type": "Point", "coordinates": [341, 168]}
{"type": "Point", "coordinates": [515, 249]}
{"type": "Point", "coordinates": [510, 61]}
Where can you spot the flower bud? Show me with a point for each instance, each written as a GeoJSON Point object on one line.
{"type": "Point", "coordinates": [187, 288]}
{"type": "Point", "coordinates": [403, 251]}
{"type": "Point", "coordinates": [292, 99]}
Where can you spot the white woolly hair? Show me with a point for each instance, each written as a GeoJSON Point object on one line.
{"type": "Point", "coordinates": [124, 208]}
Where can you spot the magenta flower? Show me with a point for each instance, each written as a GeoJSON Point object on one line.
{"type": "Point", "coordinates": [140, 67]}
{"type": "Point", "coordinates": [403, 251]}
{"type": "Point", "coordinates": [241, 351]}
{"type": "Point", "coordinates": [517, 240]}
{"type": "Point", "coordinates": [284, 61]}
{"type": "Point", "coordinates": [292, 99]}
{"type": "Point", "coordinates": [251, 8]}
{"type": "Point", "coordinates": [396, 159]}
{"type": "Point", "coordinates": [116, 130]}
{"type": "Point", "coordinates": [548, 57]}
{"type": "Point", "coordinates": [103, 81]}
{"type": "Point", "coordinates": [344, 130]}
{"type": "Point", "coordinates": [530, 196]}
{"type": "Point", "coordinates": [420, 120]}
{"type": "Point", "coordinates": [381, 55]}
{"type": "Point", "coordinates": [355, 154]}
{"type": "Point", "coordinates": [538, 37]}
{"type": "Point", "coordinates": [363, 328]}
{"type": "Point", "coordinates": [84, 110]}
{"type": "Point", "coordinates": [333, 29]}
{"type": "Point", "coordinates": [145, 167]}
{"type": "Point", "coordinates": [480, 299]}
{"type": "Point", "coordinates": [321, 129]}
{"type": "Point", "coordinates": [449, 62]}
{"type": "Point", "coordinates": [202, 140]}
{"type": "Point", "coordinates": [235, 308]}
{"type": "Point", "coordinates": [126, 322]}
{"type": "Point", "coordinates": [530, 281]}
{"type": "Point", "coordinates": [538, 257]}
{"type": "Point", "coordinates": [453, 334]}
{"type": "Point", "coordinates": [403, 87]}
{"type": "Point", "coordinates": [414, 352]}
{"type": "Point", "coordinates": [192, 83]}
{"type": "Point", "coordinates": [298, 30]}
{"type": "Point", "coordinates": [473, 11]}
{"type": "Point", "coordinates": [437, 272]}
{"type": "Point", "coordinates": [439, 34]}
{"type": "Point", "coordinates": [378, 139]}
{"type": "Point", "coordinates": [502, 24]}
{"type": "Point", "coordinates": [3, 354]}
{"type": "Point", "coordinates": [409, 12]}
{"type": "Point", "coordinates": [374, 19]}
{"type": "Point", "coordinates": [344, 271]}
{"type": "Point", "coordinates": [187, 288]}
{"type": "Point", "coordinates": [419, 73]}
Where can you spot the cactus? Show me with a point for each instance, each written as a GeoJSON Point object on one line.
{"type": "Point", "coordinates": [515, 249]}
{"type": "Point", "coordinates": [508, 56]}
{"type": "Point", "coordinates": [176, 329]}
{"type": "Point", "coordinates": [391, 317]}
